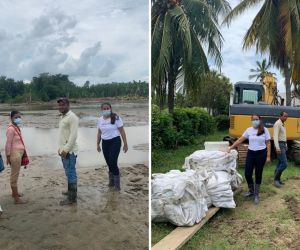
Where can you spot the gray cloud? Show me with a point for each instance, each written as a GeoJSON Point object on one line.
{"type": "Point", "coordinates": [82, 39]}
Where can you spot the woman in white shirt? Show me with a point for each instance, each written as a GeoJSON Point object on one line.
{"type": "Point", "coordinates": [259, 151]}
{"type": "Point", "coordinates": [110, 128]}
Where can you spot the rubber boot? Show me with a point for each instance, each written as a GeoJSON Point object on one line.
{"type": "Point", "coordinates": [111, 180]}
{"type": "Point", "coordinates": [117, 182]}
{"type": "Point", "coordinates": [277, 179]}
{"type": "Point", "coordinates": [66, 192]}
{"type": "Point", "coordinates": [72, 195]}
{"type": "Point", "coordinates": [16, 196]}
{"type": "Point", "coordinates": [250, 193]}
{"type": "Point", "coordinates": [256, 194]}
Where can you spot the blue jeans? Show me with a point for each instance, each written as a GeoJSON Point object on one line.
{"type": "Point", "coordinates": [69, 166]}
{"type": "Point", "coordinates": [282, 160]}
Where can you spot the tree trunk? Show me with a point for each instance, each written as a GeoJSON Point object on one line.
{"type": "Point", "coordinates": [287, 83]}
{"type": "Point", "coordinates": [171, 90]}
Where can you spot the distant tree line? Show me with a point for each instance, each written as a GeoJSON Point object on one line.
{"type": "Point", "coordinates": [46, 87]}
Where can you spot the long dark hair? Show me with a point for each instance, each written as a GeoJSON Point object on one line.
{"type": "Point", "coordinates": [113, 116]}
{"type": "Point", "coordinates": [13, 113]}
{"type": "Point", "coordinates": [261, 127]}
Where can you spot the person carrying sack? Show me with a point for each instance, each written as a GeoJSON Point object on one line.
{"type": "Point", "coordinates": [15, 153]}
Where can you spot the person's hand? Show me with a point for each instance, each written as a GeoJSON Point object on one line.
{"type": "Point", "coordinates": [268, 159]}
{"type": "Point", "coordinates": [99, 148]}
{"type": "Point", "coordinates": [125, 148]}
{"type": "Point", "coordinates": [8, 160]}
{"type": "Point", "coordinates": [58, 152]}
{"type": "Point", "coordinates": [63, 154]}
{"type": "Point", "coordinates": [229, 149]}
{"type": "Point", "coordinates": [278, 152]}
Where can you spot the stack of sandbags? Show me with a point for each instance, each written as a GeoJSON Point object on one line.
{"type": "Point", "coordinates": [178, 197]}
{"type": "Point", "coordinates": [219, 170]}
{"type": "Point", "coordinates": [207, 162]}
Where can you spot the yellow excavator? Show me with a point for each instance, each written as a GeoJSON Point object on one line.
{"type": "Point", "coordinates": [262, 99]}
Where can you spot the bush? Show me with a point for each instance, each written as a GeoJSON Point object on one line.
{"type": "Point", "coordinates": [223, 122]}
{"type": "Point", "coordinates": [181, 127]}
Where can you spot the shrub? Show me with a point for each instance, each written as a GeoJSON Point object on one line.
{"type": "Point", "coordinates": [181, 127]}
{"type": "Point", "coordinates": [223, 122]}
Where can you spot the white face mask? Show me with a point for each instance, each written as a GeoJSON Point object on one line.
{"type": "Point", "coordinates": [106, 113]}
{"type": "Point", "coordinates": [18, 121]}
{"type": "Point", "coordinates": [255, 123]}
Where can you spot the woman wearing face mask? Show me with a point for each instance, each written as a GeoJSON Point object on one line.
{"type": "Point", "coordinates": [110, 127]}
{"type": "Point", "coordinates": [14, 150]}
{"type": "Point", "coordinates": [259, 152]}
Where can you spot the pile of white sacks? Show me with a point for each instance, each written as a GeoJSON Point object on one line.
{"type": "Point", "coordinates": [183, 198]}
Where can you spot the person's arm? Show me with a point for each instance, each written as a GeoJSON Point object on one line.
{"type": "Point", "coordinates": [268, 151]}
{"type": "Point", "coordinates": [123, 135]}
{"type": "Point", "coordinates": [275, 137]}
{"type": "Point", "coordinates": [236, 143]}
{"type": "Point", "coordinates": [99, 140]}
{"type": "Point", "coordinates": [72, 137]}
{"type": "Point", "coordinates": [10, 136]}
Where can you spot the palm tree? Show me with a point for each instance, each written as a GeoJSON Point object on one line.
{"type": "Point", "coordinates": [179, 30]}
{"type": "Point", "coordinates": [261, 71]}
{"type": "Point", "coordinates": [275, 29]}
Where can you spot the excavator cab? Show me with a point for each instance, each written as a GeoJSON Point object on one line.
{"type": "Point", "coordinates": [248, 93]}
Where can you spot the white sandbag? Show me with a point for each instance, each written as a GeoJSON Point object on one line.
{"type": "Point", "coordinates": [219, 190]}
{"type": "Point", "coordinates": [203, 160]}
{"type": "Point", "coordinates": [178, 197]}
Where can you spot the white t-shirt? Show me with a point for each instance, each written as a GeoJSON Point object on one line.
{"type": "Point", "coordinates": [108, 130]}
{"type": "Point", "coordinates": [256, 142]}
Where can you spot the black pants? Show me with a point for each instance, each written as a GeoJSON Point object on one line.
{"type": "Point", "coordinates": [111, 150]}
{"type": "Point", "coordinates": [255, 160]}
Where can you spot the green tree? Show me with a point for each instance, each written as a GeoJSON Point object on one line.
{"type": "Point", "coordinates": [261, 71]}
{"type": "Point", "coordinates": [214, 94]}
{"type": "Point", "coordinates": [276, 30]}
{"type": "Point", "coordinates": [179, 30]}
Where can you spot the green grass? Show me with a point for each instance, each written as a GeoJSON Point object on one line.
{"type": "Point", "coordinates": [164, 160]}
{"type": "Point", "coordinates": [216, 233]}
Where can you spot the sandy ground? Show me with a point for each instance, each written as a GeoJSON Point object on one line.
{"type": "Point", "coordinates": [102, 219]}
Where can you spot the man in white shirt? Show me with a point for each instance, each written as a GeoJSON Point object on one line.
{"type": "Point", "coordinates": [68, 148]}
{"type": "Point", "coordinates": [281, 147]}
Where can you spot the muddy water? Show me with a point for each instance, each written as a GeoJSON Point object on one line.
{"type": "Point", "coordinates": [43, 142]}
{"type": "Point", "coordinates": [47, 116]}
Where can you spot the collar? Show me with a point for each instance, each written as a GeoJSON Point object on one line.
{"type": "Point", "coordinates": [282, 123]}
{"type": "Point", "coordinates": [66, 114]}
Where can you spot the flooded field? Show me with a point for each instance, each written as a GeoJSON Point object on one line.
{"type": "Point", "coordinates": [102, 219]}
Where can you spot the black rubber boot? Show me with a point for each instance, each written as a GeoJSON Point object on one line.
{"type": "Point", "coordinates": [72, 195]}
{"type": "Point", "coordinates": [111, 180]}
{"type": "Point", "coordinates": [66, 192]}
{"type": "Point", "coordinates": [256, 194]}
{"type": "Point", "coordinates": [117, 182]}
{"type": "Point", "coordinates": [277, 179]}
{"type": "Point", "coordinates": [250, 193]}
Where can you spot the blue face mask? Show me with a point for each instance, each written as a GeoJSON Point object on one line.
{"type": "Point", "coordinates": [18, 121]}
{"type": "Point", "coordinates": [255, 123]}
{"type": "Point", "coordinates": [106, 113]}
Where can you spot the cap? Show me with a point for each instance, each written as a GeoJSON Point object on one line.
{"type": "Point", "coordinates": [64, 100]}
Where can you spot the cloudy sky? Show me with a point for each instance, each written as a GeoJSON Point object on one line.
{"type": "Point", "coordinates": [237, 62]}
{"type": "Point", "coordinates": [96, 40]}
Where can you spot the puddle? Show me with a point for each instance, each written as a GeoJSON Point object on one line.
{"type": "Point", "coordinates": [43, 142]}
